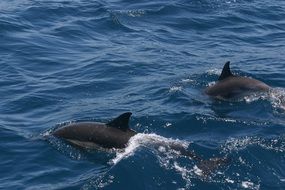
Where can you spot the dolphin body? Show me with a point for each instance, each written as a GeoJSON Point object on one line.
{"type": "Point", "coordinates": [116, 134]}
{"type": "Point", "coordinates": [231, 86]}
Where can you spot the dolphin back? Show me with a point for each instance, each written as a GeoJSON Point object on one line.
{"type": "Point", "coordinates": [230, 86]}
{"type": "Point", "coordinates": [114, 134]}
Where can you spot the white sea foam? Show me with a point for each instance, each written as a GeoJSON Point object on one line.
{"type": "Point", "coordinates": [46, 133]}
{"type": "Point", "coordinates": [214, 72]}
{"type": "Point", "coordinates": [249, 185]}
{"type": "Point", "coordinates": [197, 170]}
{"type": "Point", "coordinates": [149, 140]}
{"type": "Point", "coordinates": [277, 98]}
{"type": "Point", "coordinates": [185, 174]}
{"type": "Point", "coordinates": [229, 180]}
{"type": "Point", "coordinates": [168, 158]}
{"type": "Point", "coordinates": [238, 144]}
{"type": "Point", "coordinates": [211, 83]}
{"type": "Point", "coordinates": [167, 125]}
{"type": "Point", "coordinates": [175, 88]}
{"type": "Point", "coordinates": [161, 146]}
{"type": "Point", "coordinates": [187, 80]}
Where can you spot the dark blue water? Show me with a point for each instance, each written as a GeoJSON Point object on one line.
{"type": "Point", "coordinates": [71, 60]}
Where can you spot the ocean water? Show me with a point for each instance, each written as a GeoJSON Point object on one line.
{"type": "Point", "coordinates": [73, 60]}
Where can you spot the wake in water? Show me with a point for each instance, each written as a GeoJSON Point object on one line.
{"type": "Point", "coordinates": [148, 141]}
{"type": "Point", "coordinates": [249, 152]}
{"type": "Point", "coordinates": [159, 145]}
{"type": "Point", "coordinates": [277, 98]}
{"type": "Point", "coordinates": [169, 153]}
{"type": "Point", "coordinates": [167, 148]}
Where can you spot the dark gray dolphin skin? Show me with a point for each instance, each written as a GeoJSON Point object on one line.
{"type": "Point", "coordinates": [232, 86]}
{"type": "Point", "coordinates": [116, 134]}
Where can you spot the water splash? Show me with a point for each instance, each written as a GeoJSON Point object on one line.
{"type": "Point", "coordinates": [147, 140]}
{"type": "Point", "coordinates": [276, 97]}
{"type": "Point", "coordinates": [169, 158]}
{"type": "Point", "coordinates": [249, 185]}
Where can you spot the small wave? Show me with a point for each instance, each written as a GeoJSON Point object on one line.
{"type": "Point", "coordinates": [205, 119]}
{"type": "Point", "coordinates": [186, 173]}
{"type": "Point", "coordinates": [238, 144]}
{"type": "Point", "coordinates": [187, 80]}
{"type": "Point", "coordinates": [132, 13]}
{"type": "Point", "coordinates": [276, 96]}
{"type": "Point", "coordinates": [117, 22]}
{"type": "Point", "coordinates": [249, 185]}
{"type": "Point", "coordinates": [175, 89]}
{"type": "Point", "coordinates": [214, 72]}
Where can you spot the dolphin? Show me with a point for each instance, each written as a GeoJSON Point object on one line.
{"type": "Point", "coordinates": [232, 86]}
{"type": "Point", "coordinates": [116, 134]}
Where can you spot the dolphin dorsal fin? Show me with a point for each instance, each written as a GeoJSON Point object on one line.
{"type": "Point", "coordinates": [121, 122]}
{"type": "Point", "coordinates": [226, 71]}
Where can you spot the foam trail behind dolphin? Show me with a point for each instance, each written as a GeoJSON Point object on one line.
{"type": "Point", "coordinates": [147, 140]}
{"type": "Point", "coordinates": [168, 145]}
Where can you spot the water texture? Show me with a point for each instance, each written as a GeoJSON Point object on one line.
{"type": "Point", "coordinates": [74, 60]}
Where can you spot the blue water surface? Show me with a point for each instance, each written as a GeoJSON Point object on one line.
{"type": "Point", "coordinates": [73, 60]}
